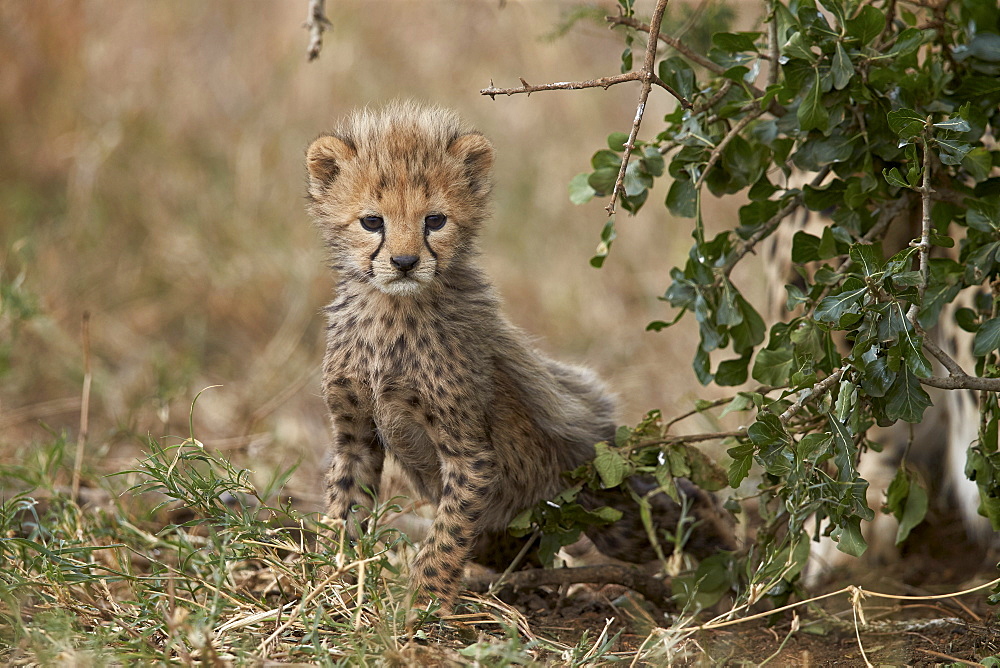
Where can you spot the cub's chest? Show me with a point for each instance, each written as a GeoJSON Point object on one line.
{"type": "Point", "coordinates": [386, 346]}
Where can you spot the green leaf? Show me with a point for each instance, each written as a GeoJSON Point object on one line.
{"type": "Point", "coordinates": [987, 339]}
{"type": "Point", "coordinates": [819, 151]}
{"type": "Point", "coordinates": [907, 279]}
{"type": "Point", "coordinates": [739, 469]}
{"type": "Point", "coordinates": [580, 191]}
{"type": "Point", "coordinates": [867, 25]}
{"type": "Point", "coordinates": [616, 142]}
{"type": "Point", "coordinates": [906, 399]}
{"type": "Point", "coordinates": [702, 469]}
{"type": "Point", "coordinates": [828, 245]}
{"type": "Point", "coordinates": [805, 247]}
{"type": "Point", "coordinates": [676, 73]}
{"type": "Point", "coordinates": [895, 178]}
{"type": "Point", "coordinates": [772, 367]}
{"type": "Point", "coordinates": [767, 431]}
{"type": "Point", "coordinates": [522, 522]}
{"type": "Point", "coordinates": [602, 181]}
{"type": "Point", "coordinates": [841, 68]}
{"type": "Point", "coordinates": [750, 331]}
{"type": "Point", "coordinates": [868, 257]}
{"type": "Point", "coordinates": [797, 46]}
{"type": "Point", "coordinates": [849, 538]}
{"type": "Point", "coordinates": [635, 181]}
{"type": "Point", "coordinates": [682, 199]}
{"type": "Point", "coordinates": [906, 123]}
{"type": "Point", "coordinates": [909, 41]}
{"type": "Point", "coordinates": [983, 215]}
{"type": "Point", "coordinates": [610, 465]}
{"type": "Point", "coordinates": [813, 446]}
{"type": "Point", "coordinates": [835, 7]}
{"type": "Point", "coordinates": [978, 162]}
{"type": "Point", "coordinates": [732, 372]}
{"type": "Point", "coordinates": [833, 307]}
{"type": "Point", "coordinates": [812, 113]}
{"type": "Point", "coordinates": [985, 46]}
{"type": "Point", "coordinates": [652, 161]}
{"type": "Point", "coordinates": [608, 235]}
{"type": "Point", "coordinates": [605, 159]}
{"type": "Point", "coordinates": [952, 152]}
{"type": "Point", "coordinates": [913, 512]}
{"type": "Point", "coordinates": [954, 125]}
{"type": "Point", "coordinates": [966, 319]}
{"type": "Point", "coordinates": [735, 42]}
{"type": "Point", "coordinates": [626, 59]}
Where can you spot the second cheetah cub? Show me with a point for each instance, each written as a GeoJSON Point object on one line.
{"type": "Point", "coordinates": [420, 363]}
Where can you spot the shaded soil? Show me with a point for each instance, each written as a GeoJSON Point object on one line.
{"type": "Point", "coordinates": [939, 560]}
{"type": "Point", "coordinates": [920, 634]}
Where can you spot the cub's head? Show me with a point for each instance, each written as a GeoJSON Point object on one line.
{"type": "Point", "coordinates": [399, 194]}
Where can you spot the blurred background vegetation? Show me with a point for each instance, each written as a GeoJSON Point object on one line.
{"type": "Point", "coordinates": [152, 175]}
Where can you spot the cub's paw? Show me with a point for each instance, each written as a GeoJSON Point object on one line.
{"type": "Point", "coordinates": [426, 609]}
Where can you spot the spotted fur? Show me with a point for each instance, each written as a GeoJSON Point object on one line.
{"type": "Point", "coordinates": [420, 363]}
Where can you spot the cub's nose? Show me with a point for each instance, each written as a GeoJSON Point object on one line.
{"type": "Point", "coordinates": [405, 262]}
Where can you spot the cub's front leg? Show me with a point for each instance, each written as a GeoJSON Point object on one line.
{"type": "Point", "coordinates": [468, 468]}
{"type": "Point", "coordinates": [356, 454]}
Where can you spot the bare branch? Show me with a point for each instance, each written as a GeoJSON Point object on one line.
{"type": "Point", "coordinates": [816, 390]}
{"type": "Point", "coordinates": [702, 107]}
{"type": "Point", "coordinates": [696, 58]}
{"type": "Point", "coordinates": [924, 245]}
{"type": "Point", "coordinates": [678, 45]}
{"type": "Point", "coordinates": [961, 382]}
{"type": "Point", "coordinates": [316, 23]}
{"type": "Point", "coordinates": [696, 438]}
{"type": "Point", "coordinates": [957, 378]}
{"type": "Point", "coordinates": [603, 82]}
{"type": "Point", "coordinates": [765, 229]}
{"type": "Point", "coordinates": [762, 389]}
{"type": "Point", "coordinates": [946, 360]}
{"type": "Point", "coordinates": [652, 589]}
{"type": "Point", "coordinates": [648, 63]}
{"type": "Point", "coordinates": [772, 48]}
{"type": "Point", "coordinates": [717, 151]}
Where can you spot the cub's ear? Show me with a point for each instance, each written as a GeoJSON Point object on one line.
{"type": "Point", "coordinates": [325, 156]}
{"type": "Point", "coordinates": [475, 151]}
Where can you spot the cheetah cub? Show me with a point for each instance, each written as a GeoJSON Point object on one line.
{"type": "Point", "coordinates": [420, 363]}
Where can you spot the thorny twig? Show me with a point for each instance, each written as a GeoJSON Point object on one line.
{"type": "Point", "coordinates": [603, 82]}
{"type": "Point", "coordinates": [648, 63]}
{"type": "Point", "coordinates": [646, 75]}
{"type": "Point", "coordinates": [696, 58]}
{"type": "Point", "coordinates": [678, 45]}
{"type": "Point", "coordinates": [316, 23]}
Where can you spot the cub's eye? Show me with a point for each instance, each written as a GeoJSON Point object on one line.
{"type": "Point", "coordinates": [435, 221]}
{"type": "Point", "coordinates": [372, 223]}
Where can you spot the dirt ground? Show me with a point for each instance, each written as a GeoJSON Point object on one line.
{"type": "Point", "coordinates": [948, 631]}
